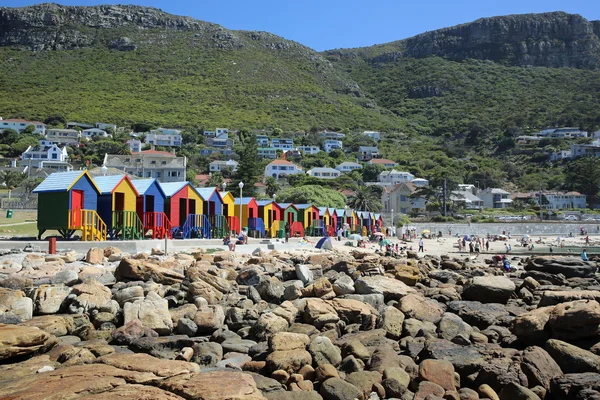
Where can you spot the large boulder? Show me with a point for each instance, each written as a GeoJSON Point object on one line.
{"type": "Point", "coordinates": [214, 385]}
{"type": "Point", "coordinates": [478, 314]}
{"type": "Point", "coordinates": [49, 299]}
{"type": "Point", "coordinates": [140, 270]}
{"type": "Point", "coordinates": [417, 307]}
{"type": "Point", "coordinates": [17, 341]}
{"type": "Point", "coordinates": [355, 312]}
{"type": "Point", "coordinates": [570, 267]}
{"type": "Point", "coordinates": [339, 389]}
{"type": "Point", "coordinates": [438, 371]}
{"type": "Point", "coordinates": [451, 326]}
{"type": "Point", "coordinates": [209, 319]}
{"type": "Point", "coordinates": [553, 297]}
{"type": "Point", "coordinates": [319, 312]}
{"type": "Point", "coordinates": [572, 359]}
{"type": "Point", "coordinates": [489, 289]}
{"type": "Point", "coordinates": [152, 312]}
{"type": "Point", "coordinates": [392, 289]}
{"type": "Point", "coordinates": [91, 295]}
{"type": "Point", "coordinates": [324, 352]}
{"type": "Point", "coordinates": [391, 320]}
{"type": "Point", "coordinates": [531, 325]}
{"type": "Point", "coordinates": [94, 255]}
{"type": "Point", "coordinates": [575, 320]}
{"type": "Point", "coordinates": [584, 386]}
{"type": "Point", "coordinates": [15, 306]}
{"type": "Point", "coordinates": [539, 367]}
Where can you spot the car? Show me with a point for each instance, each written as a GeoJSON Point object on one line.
{"type": "Point", "coordinates": [571, 218]}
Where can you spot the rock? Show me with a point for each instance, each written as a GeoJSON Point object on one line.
{"type": "Point", "coordinates": [66, 277]}
{"type": "Point", "coordinates": [513, 391]}
{"type": "Point", "coordinates": [140, 270]}
{"type": "Point", "coordinates": [288, 360]}
{"type": "Point", "coordinates": [287, 311]}
{"type": "Point", "coordinates": [338, 389]}
{"type": "Point", "coordinates": [408, 274]}
{"type": "Point", "coordinates": [15, 302]}
{"type": "Point", "coordinates": [91, 295]}
{"type": "Point", "coordinates": [343, 285]}
{"type": "Point", "coordinates": [57, 325]}
{"type": "Point", "coordinates": [324, 352]}
{"type": "Point", "coordinates": [451, 325]}
{"type": "Point", "coordinates": [578, 319]}
{"type": "Point", "coordinates": [283, 341]}
{"type": "Point", "coordinates": [489, 289]}
{"type": "Point", "coordinates": [468, 394]}
{"type": "Point", "coordinates": [153, 314]}
{"type": "Point", "coordinates": [207, 354]}
{"type": "Point", "coordinates": [428, 390]}
{"type": "Point", "coordinates": [355, 312]}
{"type": "Point", "coordinates": [575, 386]}
{"type": "Point", "coordinates": [209, 319]}
{"type": "Point", "coordinates": [487, 392]}
{"type": "Point", "coordinates": [477, 314]}
{"type": "Point", "coordinates": [570, 267]}
{"type": "Point", "coordinates": [17, 341]}
{"type": "Point", "coordinates": [94, 255]}
{"type": "Point", "coordinates": [364, 380]}
{"type": "Point", "coordinates": [391, 320]}
{"type": "Point", "coordinates": [466, 360]}
{"type": "Point", "coordinates": [318, 312]}
{"type": "Point", "coordinates": [531, 325]}
{"type": "Point", "coordinates": [49, 299]}
{"type": "Point", "coordinates": [325, 371]}
{"type": "Point", "coordinates": [437, 371]}
{"type": "Point", "coordinates": [202, 289]}
{"type": "Point", "coordinates": [268, 324]}
{"type": "Point", "coordinates": [129, 294]}
{"type": "Point", "coordinates": [270, 289]}
{"type": "Point", "coordinates": [572, 359]}
{"type": "Point", "coordinates": [214, 385]}
{"type": "Point", "coordinates": [415, 306]}
{"type": "Point", "coordinates": [552, 297]}
{"type": "Point", "coordinates": [391, 289]}
{"type": "Point", "coordinates": [187, 327]}
{"type": "Point", "coordinates": [539, 367]}
{"type": "Point", "coordinates": [129, 332]}
{"type": "Point", "coordinates": [304, 273]}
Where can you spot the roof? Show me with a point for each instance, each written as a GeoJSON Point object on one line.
{"type": "Point", "coordinates": [324, 169]}
{"type": "Point", "coordinates": [286, 205]}
{"type": "Point", "coordinates": [62, 182]}
{"type": "Point", "coordinates": [368, 148]}
{"type": "Point", "coordinates": [349, 163]}
{"type": "Point", "coordinates": [23, 120]}
{"type": "Point", "coordinates": [496, 191]}
{"type": "Point", "coordinates": [154, 153]}
{"type": "Point", "coordinates": [282, 162]}
{"type": "Point", "coordinates": [303, 206]}
{"type": "Point", "coordinates": [323, 210]}
{"type": "Point", "coordinates": [107, 184]}
{"type": "Point", "coordinates": [262, 203]}
{"type": "Point", "coordinates": [142, 185]}
{"type": "Point", "coordinates": [206, 193]}
{"type": "Point", "coordinates": [245, 200]}
{"type": "Point", "coordinates": [382, 161]}
{"type": "Point", "coordinates": [171, 188]}
{"type": "Point", "coordinates": [465, 195]}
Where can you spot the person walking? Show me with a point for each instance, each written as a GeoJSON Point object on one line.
{"type": "Point", "coordinates": [487, 245]}
{"type": "Point", "coordinates": [421, 246]}
{"type": "Point", "coordinates": [287, 231]}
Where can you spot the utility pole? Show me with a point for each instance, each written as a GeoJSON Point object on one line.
{"type": "Point", "coordinates": [541, 213]}
{"type": "Point", "coordinates": [445, 187]}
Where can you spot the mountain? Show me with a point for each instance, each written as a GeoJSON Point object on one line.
{"type": "Point", "coordinates": [138, 64]}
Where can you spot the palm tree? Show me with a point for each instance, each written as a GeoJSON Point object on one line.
{"type": "Point", "coordinates": [365, 199]}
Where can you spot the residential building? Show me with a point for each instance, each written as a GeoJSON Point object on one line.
{"type": "Point", "coordinates": [566, 133]}
{"type": "Point", "coordinates": [366, 153]}
{"type": "Point", "coordinates": [324, 173]}
{"type": "Point", "coordinates": [282, 144]}
{"type": "Point", "coordinates": [135, 145]}
{"type": "Point", "coordinates": [383, 161]}
{"type": "Point", "coordinates": [495, 198]}
{"type": "Point", "coordinates": [164, 137]}
{"type": "Point", "coordinates": [93, 132]}
{"type": "Point", "coordinates": [394, 177]}
{"type": "Point", "coordinates": [329, 145]}
{"type": "Point", "coordinates": [46, 155]}
{"type": "Point", "coordinates": [267, 152]}
{"type": "Point", "coordinates": [161, 165]}
{"type": "Point", "coordinates": [348, 166]}
{"type": "Point", "coordinates": [562, 200]}
{"type": "Point", "coordinates": [262, 140]}
{"type": "Point", "coordinates": [309, 149]}
{"type": "Point", "coordinates": [580, 150]}
{"type": "Point", "coordinates": [333, 135]}
{"type": "Point", "coordinates": [219, 142]}
{"type": "Point", "coordinates": [222, 132]}
{"type": "Point", "coordinates": [67, 137]}
{"type": "Point", "coordinates": [467, 199]}
{"type": "Point", "coordinates": [208, 151]}
{"type": "Point", "coordinates": [218, 165]}
{"type": "Point", "coordinates": [103, 126]}
{"type": "Point", "coordinates": [400, 198]}
{"type": "Point", "coordinates": [19, 125]}
{"type": "Point", "coordinates": [420, 182]}
{"type": "Point", "coordinates": [82, 125]}
{"type": "Point", "coordinates": [210, 134]}
{"type": "Point", "coordinates": [376, 136]}
{"type": "Point", "coordinates": [562, 155]}
{"type": "Point", "coordinates": [280, 168]}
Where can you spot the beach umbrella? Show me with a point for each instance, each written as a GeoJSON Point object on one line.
{"type": "Point", "coordinates": [378, 234]}
{"type": "Point", "coordinates": [425, 231]}
{"type": "Point", "coordinates": [354, 236]}
{"type": "Point", "coordinates": [525, 236]}
{"type": "Point", "coordinates": [385, 242]}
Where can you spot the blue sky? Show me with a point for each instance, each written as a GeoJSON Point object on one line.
{"type": "Point", "coordinates": [329, 24]}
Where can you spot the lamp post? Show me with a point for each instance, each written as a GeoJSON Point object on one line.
{"type": "Point", "coordinates": [224, 186]}
{"type": "Point", "coordinates": [393, 226]}
{"type": "Point", "coordinates": [241, 185]}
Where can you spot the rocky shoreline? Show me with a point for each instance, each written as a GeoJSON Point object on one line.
{"type": "Point", "coordinates": [283, 326]}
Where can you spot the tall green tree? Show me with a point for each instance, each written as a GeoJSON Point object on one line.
{"type": "Point", "coordinates": [583, 175]}
{"type": "Point", "coordinates": [248, 170]}
{"type": "Point", "coordinates": [272, 186]}
{"type": "Point", "coordinates": [365, 198]}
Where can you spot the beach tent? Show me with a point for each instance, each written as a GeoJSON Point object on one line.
{"type": "Point", "coordinates": [67, 202]}
{"type": "Point", "coordinates": [325, 243]}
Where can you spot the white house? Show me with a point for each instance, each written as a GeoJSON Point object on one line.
{"type": "Point", "coordinates": [348, 166]}
{"type": "Point", "coordinates": [103, 126]}
{"type": "Point", "coordinates": [222, 132]}
{"type": "Point", "coordinates": [135, 145]}
{"type": "Point", "coordinates": [400, 199]}
{"type": "Point", "coordinates": [282, 144]}
{"type": "Point", "coordinates": [218, 165]}
{"type": "Point", "coordinates": [383, 161]}
{"type": "Point", "coordinates": [46, 155]}
{"type": "Point", "coordinates": [560, 155]}
{"type": "Point", "coordinates": [219, 142]}
{"type": "Point", "coordinates": [267, 152]}
{"type": "Point", "coordinates": [330, 145]}
{"type": "Point", "coordinates": [162, 165]}
{"type": "Point", "coordinates": [262, 140]}
{"type": "Point", "coordinates": [394, 177]}
{"type": "Point", "coordinates": [366, 153]}
{"type": "Point", "coordinates": [164, 137]}
{"type": "Point", "coordinates": [309, 149]}
{"type": "Point", "coordinates": [376, 136]}
{"type": "Point", "coordinates": [324, 173]}
{"type": "Point", "coordinates": [93, 132]}
{"type": "Point", "coordinates": [63, 136]}
{"type": "Point", "coordinates": [495, 198]}
{"type": "Point", "coordinates": [563, 200]}
{"type": "Point", "coordinates": [279, 168]}
{"type": "Point", "coordinates": [466, 197]}
{"type": "Point", "coordinates": [19, 125]}
{"type": "Point", "coordinates": [333, 135]}
{"type": "Point", "coordinates": [420, 182]}
{"type": "Point", "coordinates": [592, 149]}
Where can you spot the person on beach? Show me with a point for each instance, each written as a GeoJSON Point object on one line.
{"type": "Point", "coordinates": [584, 256]}
{"type": "Point", "coordinates": [287, 232]}
{"type": "Point", "coordinates": [420, 246]}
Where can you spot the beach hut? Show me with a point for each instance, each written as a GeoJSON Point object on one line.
{"type": "Point", "coordinates": [272, 215]}
{"type": "Point", "coordinates": [67, 202]}
{"type": "Point", "coordinates": [213, 209]}
{"type": "Point", "coordinates": [326, 220]}
{"type": "Point", "coordinates": [365, 221]}
{"type": "Point", "coordinates": [340, 217]}
{"type": "Point", "coordinates": [184, 209]}
{"type": "Point", "coordinates": [249, 210]}
{"type": "Point", "coordinates": [150, 207]}
{"type": "Point", "coordinates": [291, 216]}
{"type": "Point", "coordinates": [377, 222]}
{"type": "Point", "coordinates": [228, 211]}
{"type": "Point", "coordinates": [117, 207]}
{"type": "Point", "coordinates": [307, 213]}
{"type": "Point", "coordinates": [332, 221]}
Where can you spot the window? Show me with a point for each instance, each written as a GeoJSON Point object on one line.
{"type": "Point", "coordinates": [54, 156]}
{"type": "Point", "coordinates": [148, 174]}
{"type": "Point", "coordinates": [127, 159]}
{"type": "Point", "coordinates": [153, 162]}
{"type": "Point", "coordinates": [164, 163]}
{"type": "Point", "coordinates": [158, 174]}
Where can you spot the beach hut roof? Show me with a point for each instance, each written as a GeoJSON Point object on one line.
{"type": "Point", "coordinates": [283, 206]}
{"type": "Point", "coordinates": [107, 184]}
{"type": "Point", "coordinates": [323, 210]}
{"type": "Point", "coordinates": [245, 200]}
{"type": "Point", "coordinates": [303, 206]}
{"type": "Point", "coordinates": [263, 203]}
{"type": "Point", "coordinates": [171, 188]}
{"type": "Point", "coordinates": [206, 193]}
{"type": "Point", "coordinates": [62, 181]}
{"type": "Point", "coordinates": [142, 185]}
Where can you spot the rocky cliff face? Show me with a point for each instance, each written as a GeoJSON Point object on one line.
{"type": "Point", "coordinates": [549, 40]}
